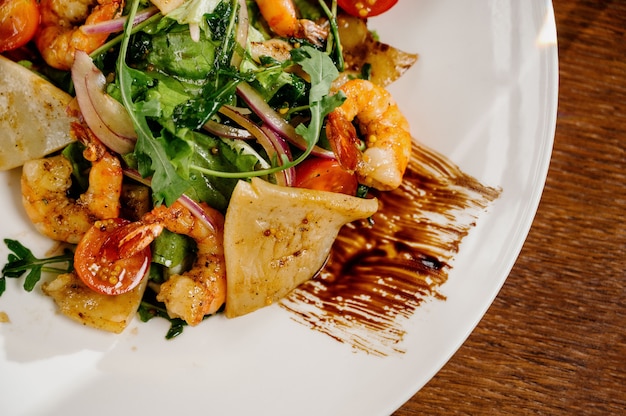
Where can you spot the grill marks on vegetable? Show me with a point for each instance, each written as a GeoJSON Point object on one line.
{"type": "Point", "coordinates": [378, 275]}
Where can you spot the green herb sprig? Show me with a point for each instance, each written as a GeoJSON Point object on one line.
{"type": "Point", "coordinates": [148, 310]}
{"type": "Point", "coordinates": [22, 261]}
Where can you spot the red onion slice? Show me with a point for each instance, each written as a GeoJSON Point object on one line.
{"type": "Point", "coordinates": [228, 132]}
{"type": "Point", "coordinates": [136, 176]}
{"type": "Point", "coordinates": [241, 36]}
{"type": "Point", "coordinates": [198, 212]}
{"type": "Point", "coordinates": [104, 115]}
{"type": "Point", "coordinates": [275, 122]}
{"type": "Point", "coordinates": [184, 199]}
{"type": "Point", "coordinates": [117, 25]}
{"type": "Point", "coordinates": [286, 177]}
{"type": "Point", "coordinates": [273, 144]}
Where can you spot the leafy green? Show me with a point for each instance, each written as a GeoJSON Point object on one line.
{"type": "Point", "coordinates": [323, 72]}
{"type": "Point", "coordinates": [199, 81]}
{"type": "Point", "coordinates": [221, 23]}
{"type": "Point", "coordinates": [22, 260]}
{"type": "Point", "coordinates": [221, 79]}
{"type": "Point", "coordinates": [150, 154]}
{"type": "Point", "coordinates": [193, 11]}
{"type": "Point", "coordinates": [272, 79]}
{"type": "Point", "coordinates": [217, 155]}
{"type": "Point", "coordinates": [80, 166]}
{"type": "Point", "coordinates": [334, 41]}
{"type": "Point", "coordinates": [181, 94]}
{"type": "Point", "coordinates": [171, 250]}
{"type": "Point", "coordinates": [173, 53]}
{"type": "Point", "coordinates": [148, 310]}
{"type": "Point", "coordinates": [309, 9]}
{"type": "Point", "coordinates": [196, 111]}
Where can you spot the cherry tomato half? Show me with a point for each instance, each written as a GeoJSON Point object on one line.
{"type": "Point", "coordinates": [99, 263]}
{"type": "Point", "coordinates": [366, 8]}
{"type": "Point", "coordinates": [325, 175]}
{"type": "Point", "coordinates": [19, 20]}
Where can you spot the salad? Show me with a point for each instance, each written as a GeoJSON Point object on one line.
{"type": "Point", "coordinates": [215, 149]}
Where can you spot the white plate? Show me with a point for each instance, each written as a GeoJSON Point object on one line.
{"type": "Point", "coordinates": [484, 93]}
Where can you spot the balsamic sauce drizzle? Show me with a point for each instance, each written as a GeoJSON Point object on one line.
{"type": "Point", "coordinates": [381, 270]}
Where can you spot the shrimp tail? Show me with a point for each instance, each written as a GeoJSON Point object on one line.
{"type": "Point", "coordinates": [344, 141]}
{"type": "Point", "coordinates": [282, 18]}
{"type": "Point", "coordinates": [311, 31]}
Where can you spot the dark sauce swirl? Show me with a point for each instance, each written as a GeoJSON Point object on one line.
{"type": "Point", "coordinates": [381, 270]}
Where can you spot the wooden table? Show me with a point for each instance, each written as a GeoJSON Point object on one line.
{"type": "Point", "coordinates": [554, 340]}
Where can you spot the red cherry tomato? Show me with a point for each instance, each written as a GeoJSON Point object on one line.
{"type": "Point", "coordinates": [366, 8]}
{"type": "Point", "coordinates": [19, 20]}
{"type": "Point", "coordinates": [325, 175]}
{"type": "Point", "coordinates": [99, 263]}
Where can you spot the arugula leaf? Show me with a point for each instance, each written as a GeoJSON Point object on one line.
{"type": "Point", "coordinates": [148, 310]}
{"type": "Point", "coordinates": [275, 84]}
{"type": "Point", "coordinates": [323, 72]}
{"type": "Point", "coordinates": [23, 261]}
{"type": "Point", "coordinates": [151, 157]}
{"type": "Point", "coordinates": [320, 68]}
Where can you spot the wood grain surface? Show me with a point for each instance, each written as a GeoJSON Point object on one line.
{"type": "Point", "coordinates": [554, 340]}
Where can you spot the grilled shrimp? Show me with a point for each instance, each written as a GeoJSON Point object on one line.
{"type": "Point", "coordinates": [45, 184]}
{"type": "Point", "coordinates": [60, 35]}
{"type": "Point", "coordinates": [282, 18]}
{"type": "Point", "coordinates": [384, 128]}
{"type": "Point", "coordinates": [200, 290]}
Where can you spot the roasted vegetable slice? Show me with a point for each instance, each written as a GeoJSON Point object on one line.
{"type": "Point", "coordinates": [78, 302]}
{"type": "Point", "coordinates": [33, 120]}
{"type": "Point", "coordinates": [360, 48]}
{"type": "Point", "coordinates": [276, 237]}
